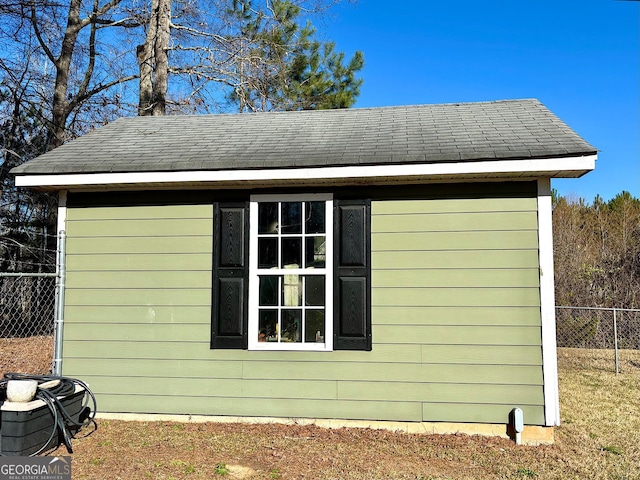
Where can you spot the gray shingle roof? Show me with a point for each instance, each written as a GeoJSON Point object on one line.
{"type": "Point", "coordinates": [502, 130]}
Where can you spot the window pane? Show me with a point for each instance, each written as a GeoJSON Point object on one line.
{"type": "Point", "coordinates": [314, 290]}
{"type": "Point", "coordinates": [291, 252]}
{"type": "Point", "coordinates": [267, 252]}
{"type": "Point", "coordinates": [269, 289]}
{"type": "Point", "coordinates": [291, 217]}
{"type": "Point", "coordinates": [292, 291]}
{"type": "Point", "coordinates": [289, 274]}
{"type": "Point", "coordinates": [314, 326]}
{"type": "Point", "coordinates": [267, 217]}
{"type": "Point", "coordinates": [268, 326]}
{"type": "Point", "coordinates": [315, 252]}
{"type": "Point", "coordinates": [291, 326]}
{"type": "Point", "coordinates": [314, 217]}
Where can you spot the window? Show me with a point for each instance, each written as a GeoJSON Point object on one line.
{"type": "Point", "coordinates": [290, 258]}
{"type": "Point", "coordinates": [291, 272]}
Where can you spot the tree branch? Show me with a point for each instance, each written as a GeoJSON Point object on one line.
{"type": "Point", "coordinates": [200, 33]}
{"type": "Point", "coordinates": [36, 30]}
{"type": "Point", "coordinates": [97, 12]}
{"type": "Point", "coordinates": [124, 22]}
{"type": "Point", "coordinates": [100, 88]}
{"type": "Point", "coordinates": [88, 74]}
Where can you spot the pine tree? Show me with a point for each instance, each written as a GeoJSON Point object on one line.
{"type": "Point", "coordinates": [281, 66]}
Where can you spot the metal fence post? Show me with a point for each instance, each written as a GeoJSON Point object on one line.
{"type": "Point", "coordinates": [60, 287]}
{"type": "Point", "coordinates": [615, 339]}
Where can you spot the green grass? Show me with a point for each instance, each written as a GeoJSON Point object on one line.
{"type": "Point", "coordinates": [612, 449]}
{"type": "Point", "coordinates": [275, 474]}
{"type": "Point", "coordinates": [526, 472]}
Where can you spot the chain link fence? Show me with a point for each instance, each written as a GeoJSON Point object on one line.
{"type": "Point", "coordinates": [27, 319]}
{"type": "Point", "coordinates": [609, 337]}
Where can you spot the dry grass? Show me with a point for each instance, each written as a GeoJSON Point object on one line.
{"type": "Point", "coordinates": [599, 439]}
{"type": "Point", "coordinates": [600, 411]}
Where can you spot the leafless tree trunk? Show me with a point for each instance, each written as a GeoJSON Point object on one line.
{"type": "Point", "coordinates": [64, 102]}
{"type": "Point", "coordinates": [60, 108]}
{"type": "Point", "coordinates": [153, 60]}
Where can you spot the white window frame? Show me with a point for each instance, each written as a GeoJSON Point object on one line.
{"type": "Point", "coordinates": [254, 271]}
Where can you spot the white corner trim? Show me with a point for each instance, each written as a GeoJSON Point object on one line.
{"type": "Point", "coordinates": [547, 305]}
{"type": "Point", "coordinates": [528, 166]}
{"type": "Point", "coordinates": [62, 211]}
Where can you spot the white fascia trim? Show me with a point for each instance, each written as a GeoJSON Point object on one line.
{"type": "Point", "coordinates": [531, 166]}
{"type": "Point", "coordinates": [547, 305]}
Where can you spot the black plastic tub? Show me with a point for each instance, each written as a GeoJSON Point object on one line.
{"type": "Point", "coordinates": [26, 427]}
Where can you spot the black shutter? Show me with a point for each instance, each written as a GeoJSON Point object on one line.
{"type": "Point", "coordinates": [229, 316]}
{"type": "Point", "coordinates": [352, 278]}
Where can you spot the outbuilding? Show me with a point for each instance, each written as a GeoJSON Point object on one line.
{"type": "Point", "coordinates": [385, 267]}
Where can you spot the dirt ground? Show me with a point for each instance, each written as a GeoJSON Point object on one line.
{"type": "Point", "coordinates": [171, 450]}
{"type": "Point", "coordinates": [32, 355]}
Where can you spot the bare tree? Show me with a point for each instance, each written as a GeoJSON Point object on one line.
{"type": "Point", "coordinates": [27, 239]}
{"type": "Point", "coordinates": [189, 56]}
{"type": "Point", "coordinates": [253, 55]}
{"type": "Point", "coordinates": [68, 58]}
{"type": "Point", "coordinates": [597, 251]}
{"type": "Point", "coordinates": [58, 75]}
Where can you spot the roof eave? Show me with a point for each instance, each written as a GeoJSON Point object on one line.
{"type": "Point", "coordinates": [484, 170]}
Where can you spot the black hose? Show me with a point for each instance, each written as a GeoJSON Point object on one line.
{"type": "Point", "coordinates": [62, 420]}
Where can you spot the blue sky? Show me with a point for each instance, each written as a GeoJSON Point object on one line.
{"type": "Point", "coordinates": [579, 58]}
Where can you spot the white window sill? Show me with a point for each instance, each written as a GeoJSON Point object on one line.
{"type": "Point", "coordinates": [290, 347]}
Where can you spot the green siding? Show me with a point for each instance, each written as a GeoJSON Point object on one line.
{"type": "Point", "coordinates": [460, 277]}
{"type": "Point", "coordinates": [457, 205]}
{"type": "Point", "coordinates": [156, 368]}
{"type": "Point", "coordinates": [457, 315]}
{"type": "Point", "coordinates": [488, 393]}
{"type": "Point", "coordinates": [196, 404]}
{"type": "Point", "coordinates": [457, 335]}
{"type": "Point", "coordinates": [389, 372]}
{"type": "Point", "coordinates": [142, 228]}
{"type": "Point", "coordinates": [142, 280]}
{"type": "Point", "coordinates": [495, 355]}
{"type": "Point", "coordinates": [82, 315]}
{"type": "Point", "coordinates": [141, 212]}
{"type": "Point", "coordinates": [455, 305]}
{"type": "Point", "coordinates": [162, 332]}
{"type": "Point", "coordinates": [462, 240]}
{"type": "Point", "coordinates": [448, 278]}
{"type": "Point", "coordinates": [455, 222]}
{"type": "Point", "coordinates": [151, 245]}
{"type": "Point", "coordinates": [469, 259]}
{"type": "Point", "coordinates": [476, 412]}
{"type": "Point", "coordinates": [215, 387]}
{"type": "Point", "coordinates": [463, 297]}
{"type": "Point", "coordinates": [130, 262]}
{"type": "Point", "coordinates": [121, 296]}
{"type": "Point", "coordinates": [104, 350]}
